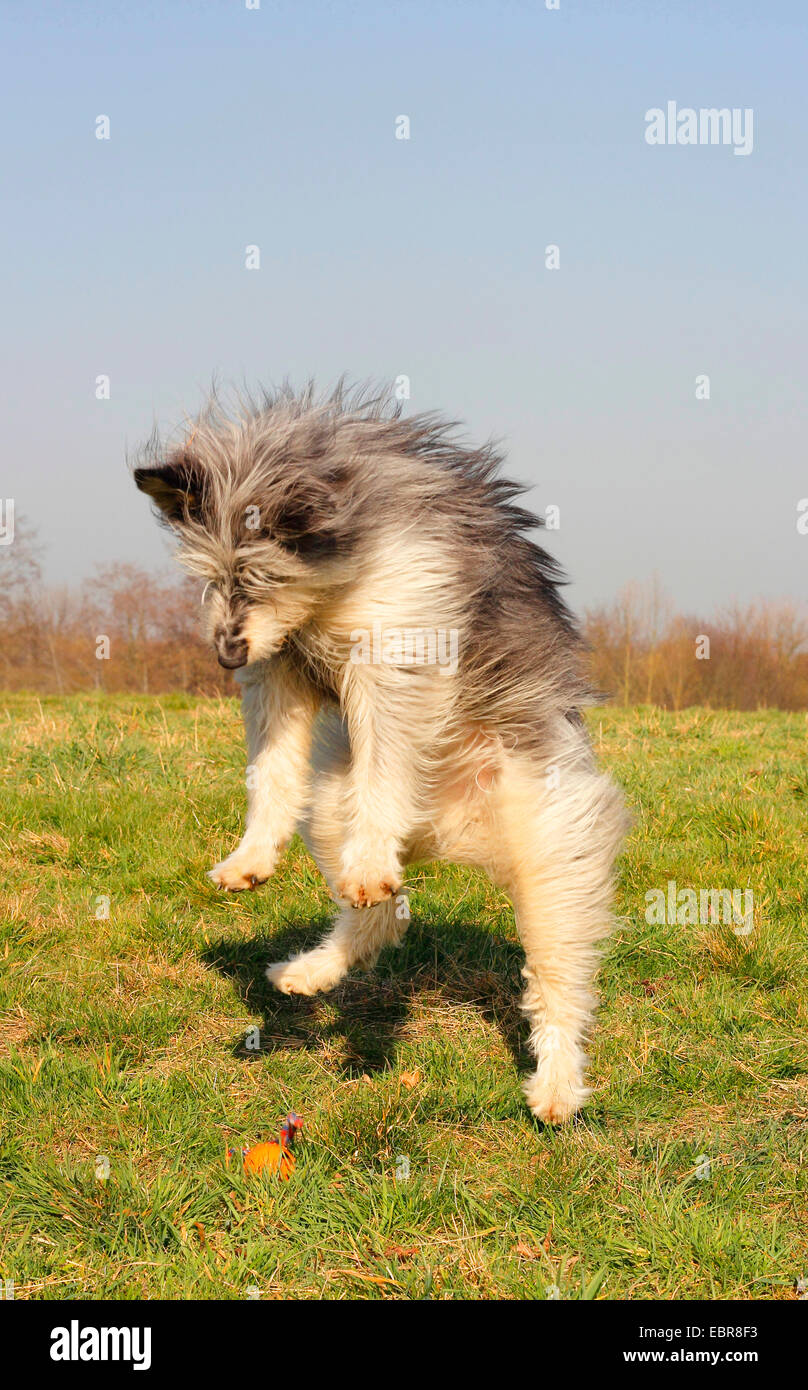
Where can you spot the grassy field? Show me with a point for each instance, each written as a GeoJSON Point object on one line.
{"type": "Point", "coordinates": [123, 1036]}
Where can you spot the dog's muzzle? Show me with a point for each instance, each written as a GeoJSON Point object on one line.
{"type": "Point", "coordinates": [231, 652]}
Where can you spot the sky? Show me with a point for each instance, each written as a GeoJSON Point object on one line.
{"type": "Point", "coordinates": [422, 258]}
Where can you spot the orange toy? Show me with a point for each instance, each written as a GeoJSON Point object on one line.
{"type": "Point", "coordinates": [276, 1156]}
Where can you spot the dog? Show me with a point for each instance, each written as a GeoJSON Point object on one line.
{"type": "Point", "coordinates": [412, 685]}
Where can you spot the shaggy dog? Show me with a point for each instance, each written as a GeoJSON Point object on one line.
{"type": "Point", "coordinates": [411, 682]}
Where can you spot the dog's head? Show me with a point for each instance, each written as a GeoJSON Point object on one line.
{"type": "Point", "coordinates": [258, 508]}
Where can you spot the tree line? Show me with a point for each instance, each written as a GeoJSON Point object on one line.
{"type": "Point", "coordinates": [129, 629]}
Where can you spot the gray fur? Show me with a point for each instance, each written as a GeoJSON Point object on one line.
{"type": "Point", "coordinates": [323, 474]}
{"type": "Point", "coordinates": [365, 519]}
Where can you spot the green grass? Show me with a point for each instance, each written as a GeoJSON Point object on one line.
{"type": "Point", "coordinates": [125, 1037]}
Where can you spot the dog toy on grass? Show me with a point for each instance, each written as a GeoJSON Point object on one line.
{"type": "Point", "coordinates": [276, 1155]}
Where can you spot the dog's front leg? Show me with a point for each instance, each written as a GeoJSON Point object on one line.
{"type": "Point", "coordinates": [279, 710]}
{"type": "Point", "coordinates": [389, 730]}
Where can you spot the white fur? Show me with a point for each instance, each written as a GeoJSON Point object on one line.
{"type": "Point", "coordinates": [369, 518]}
{"type": "Point", "coordinates": [394, 781]}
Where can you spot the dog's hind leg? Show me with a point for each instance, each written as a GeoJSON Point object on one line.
{"type": "Point", "coordinates": [359, 934]}
{"type": "Point", "coordinates": [356, 938]}
{"type": "Point", "coordinates": [560, 832]}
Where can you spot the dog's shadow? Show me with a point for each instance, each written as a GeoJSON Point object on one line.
{"type": "Point", "coordinates": [357, 1027]}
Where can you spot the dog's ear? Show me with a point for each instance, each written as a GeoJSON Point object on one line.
{"type": "Point", "coordinates": [308, 524]}
{"type": "Point", "coordinates": [176, 487]}
{"type": "Point", "coordinates": [303, 529]}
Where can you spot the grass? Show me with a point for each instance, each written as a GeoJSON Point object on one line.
{"type": "Point", "coordinates": [127, 1036]}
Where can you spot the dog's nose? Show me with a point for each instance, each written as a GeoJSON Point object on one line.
{"type": "Point", "coordinates": [231, 652]}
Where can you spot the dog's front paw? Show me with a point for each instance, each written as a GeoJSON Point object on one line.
{"type": "Point", "coordinates": [365, 887]}
{"type": "Point", "coordinates": [554, 1098]}
{"type": "Point", "coordinates": [245, 868]}
{"type": "Point", "coordinates": [371, 872]}
{"type": "Point", "coordinates": [309, 973]}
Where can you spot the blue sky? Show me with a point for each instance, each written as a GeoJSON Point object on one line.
{"type": "Point", "coordinates": [426, 258]}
